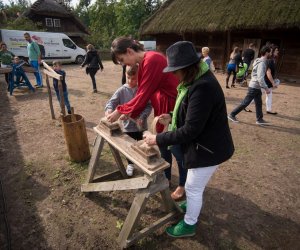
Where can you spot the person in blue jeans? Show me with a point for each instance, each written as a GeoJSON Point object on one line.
{"type": "Point", "coordinates": [35, 58]}
{"type": "Point", "coordinates": [257, 83]}
{"type": "Point", "coordinates": [57, 68]}
{"type": "Point", "coordinates": [166, 153]}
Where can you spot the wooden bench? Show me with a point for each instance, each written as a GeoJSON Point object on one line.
{"type": "Point", "coordinates": [152, 182]}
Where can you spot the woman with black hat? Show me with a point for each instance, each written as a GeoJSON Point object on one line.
{"type": "Point", "coordinates": [199, 125]}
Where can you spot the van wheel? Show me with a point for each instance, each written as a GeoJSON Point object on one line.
{"type": "Point", "coordinates": [79, 59]}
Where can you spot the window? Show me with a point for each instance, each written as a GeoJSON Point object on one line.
{"type": "Point", "coordinates": [56, 22]}
{"type": "Point", "coordinates": [69, 44]}
{"type": "Point", "coordinates": [49, 22]}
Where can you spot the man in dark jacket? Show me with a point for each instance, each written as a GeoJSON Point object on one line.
{"type": "Point", "coordinates": [199, 125]}
{"type": "Point", "coordinates": [248, 56]}
{"type": "Point", "coordinates": [93, 62]}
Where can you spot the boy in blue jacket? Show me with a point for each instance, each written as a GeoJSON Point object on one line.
{"type": "Point", "coordinates": [57, 68]}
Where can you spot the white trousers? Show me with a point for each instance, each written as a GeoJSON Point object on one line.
{"type": "Point", "coordinates": [269, 101]}
{"type": "Point", "coordinates": [196, 181]}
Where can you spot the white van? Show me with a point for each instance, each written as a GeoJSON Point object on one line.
{"type": "Point", "coordinates": [149, 45]}
{"type": "Point", "coordinates": [52, 45]}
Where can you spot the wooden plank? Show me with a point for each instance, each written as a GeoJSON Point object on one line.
{"type": "Point", "coordinates": [53, 75]}
{"type": "Point", "coordinates": [128, 184]}
{"type": "Point", "coordinates": [46, 66]}
{"type": "Point", "coordinates": [98, 147]}
{"type": "Point", "coordinates": [147, 230]}
{"type": "Point", "coordinates": [119, 161]}
{"type": "Point", "coordinates": [5, 70]}
{"type": "Point", "coordinates": [123, 144]}
{"type": "Point", "coordinates": [107, 176]}
{"type": "Point", "coordinates": [50, 98]}
{"type": "Point", "coordinates": [133, 217]}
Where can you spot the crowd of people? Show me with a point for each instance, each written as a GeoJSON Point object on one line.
{"type": "Point", "coordinates": [179, 86]}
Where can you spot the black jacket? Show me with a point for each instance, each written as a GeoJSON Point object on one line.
{"type": "Point", "coordinates": [93, 60]}
{"type": "Point", "coordinates": [202, 126]}
{"type": "Point", "coordinates": [248, 55]}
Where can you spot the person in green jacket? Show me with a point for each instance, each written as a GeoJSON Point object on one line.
{"type": "Point", "coordinates": [6, 58]}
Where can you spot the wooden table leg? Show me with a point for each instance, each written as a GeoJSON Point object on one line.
{"type": "Point", "coordinates": [98, 147]}
{"type": "Point", "coordinates": [118, 159]}
{"type": "Point", "coordinates": [133, 217]}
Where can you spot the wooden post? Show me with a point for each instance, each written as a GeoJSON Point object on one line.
{"type": "Point", "coordinates": [50, 98]}
{"type": "Point", "coordinates": [62, 100]}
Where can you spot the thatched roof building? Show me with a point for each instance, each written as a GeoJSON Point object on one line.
{"type": "Point", "coordinates": [57, 17]}
{"type": "Point", "coordinates": [222, 24]}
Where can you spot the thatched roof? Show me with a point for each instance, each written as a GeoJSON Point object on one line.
{"type": "Point", "coordinates": [185, 16]}
{"type": "Point", "coordinates": [56, 9]}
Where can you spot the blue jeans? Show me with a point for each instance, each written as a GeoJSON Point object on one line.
{"type": "Point", "coordinates": [37, 73]}
{"type": "Point", "coordinates": [66, 99]}
{"type": "Point", "coordinates": [167, 155]}
{"type": "Point", "coordinates": [251, 94]}
{"type": "Point", "coordinates": [178, 154]}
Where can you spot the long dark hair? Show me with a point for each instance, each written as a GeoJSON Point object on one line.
{"type": "Point", "coordinates": [120, 46]}
{"type": "Point", "coordinates": [190, 72]}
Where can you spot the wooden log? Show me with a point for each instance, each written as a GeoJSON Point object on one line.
{"type": "Point", "coordinates": [76, 138]}
{"type": "Point", "coordinates": [50, 98]}
{"type": "Point", "coordinates": [128, 184]}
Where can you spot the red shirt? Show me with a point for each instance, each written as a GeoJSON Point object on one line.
{"type": "Point", "coordinates": [153, 85]}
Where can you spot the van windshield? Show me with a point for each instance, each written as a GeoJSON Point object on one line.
{"type": "Point", "coordinates": [69, 44]}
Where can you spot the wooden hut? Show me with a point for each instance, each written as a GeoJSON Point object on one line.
{"type": "Point", "coordinates": [223, 24]}
{"type": "Point", "coordinates": [57, 17]}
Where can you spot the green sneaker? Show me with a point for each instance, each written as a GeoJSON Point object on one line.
{"type": "Point", "coordinates": [181, 230]}
{"type": "Point", "coordinates": [182, 205]}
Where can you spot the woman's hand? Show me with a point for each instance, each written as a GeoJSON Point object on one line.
{"type": "Point", "coordinates": [114, 116]}
{"type": "Point", "coordinates": [149, 138]}
{"type": "Point", "coordinates": [164, 119]}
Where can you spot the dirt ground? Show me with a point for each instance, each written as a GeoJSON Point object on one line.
{"type": "Point", "coordinates": [252, 201]}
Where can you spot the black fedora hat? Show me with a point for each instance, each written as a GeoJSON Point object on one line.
{"type": "Point", "coordinates": [181, 55]}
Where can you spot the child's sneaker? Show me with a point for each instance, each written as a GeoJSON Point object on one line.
{"type": "Point", "coordinates": [181, 230]}
{"type": "Point", "coordinates": [129, 169]}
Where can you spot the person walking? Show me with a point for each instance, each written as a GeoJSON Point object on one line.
{"type": "Point", "coordinates": [248, 56]}
{"type": "Point", "coordinates": [207, 59]}
{"type": "Point", "coordinates": [93, 62]}
{"type": "Point", "coordinates": [235, 60]}
{"type": "Point", "coordinates": [270, 78]}
{"type": "Point", "coordinates": [35, 58]}
{"type": "Point", "coordinates": [200, 128]}
{"type": "Point", "coordinates": [257, 83]}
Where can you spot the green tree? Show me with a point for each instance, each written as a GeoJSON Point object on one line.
{"type": "Point", "coordinates": [103, 23]}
